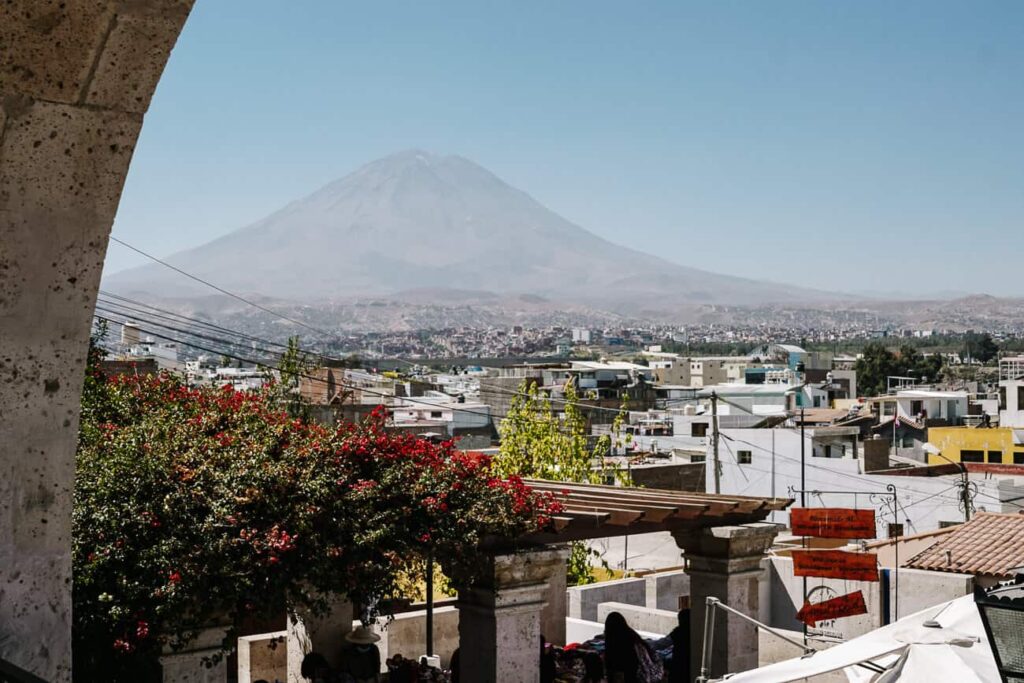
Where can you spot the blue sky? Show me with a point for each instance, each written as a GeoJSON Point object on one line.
{"type": "Point", "coordinates": [849, 146]}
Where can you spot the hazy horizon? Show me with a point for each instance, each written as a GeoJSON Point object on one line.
{"type": "Point", "coordinates": [863, 148]}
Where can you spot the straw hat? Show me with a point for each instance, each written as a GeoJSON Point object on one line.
{"type": "Point", "coordinates": [361, 636]}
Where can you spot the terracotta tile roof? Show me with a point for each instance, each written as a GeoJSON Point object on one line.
{"type": "Point", "coordinates": [990, 544]}
{"type": "Point", "coordinates": [935, 533]}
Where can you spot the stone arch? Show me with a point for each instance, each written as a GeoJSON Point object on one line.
{"type": "Point", "coordinates": [76, 78]}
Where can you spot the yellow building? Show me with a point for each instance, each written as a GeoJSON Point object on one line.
{"type": "Point", "coordinates": [975, 444]}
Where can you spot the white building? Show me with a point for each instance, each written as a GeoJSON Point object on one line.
{"type": "Point", "coordinates": [767, 462]}
{"type": "Point", "coordinates": [919, 404]}
{"type": "Point", "coordinates": [1011, 392]}
{"type": "Point", "coordinates": [440, 408]}
{"type": "Point", "coordinates": [580, 336]}
{"type": "Point", "coordinates": [241, 379]}
{"type": "Point", "coordinates": [753, 399]}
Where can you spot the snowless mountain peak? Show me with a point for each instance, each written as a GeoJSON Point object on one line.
{"type": "Point", "coordinates": [422, 220]}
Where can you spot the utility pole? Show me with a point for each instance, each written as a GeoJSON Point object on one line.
{"type": "Point", "coordinates": [714, 441]}
{"type": "Point", "coordinates": [803, 497]}
{"type": "Point", "coordinates": [803, 462]}
{"type": "Point", "coordinates": [965, 492]}
{"type": "Point", "coordinates": [965, 486]}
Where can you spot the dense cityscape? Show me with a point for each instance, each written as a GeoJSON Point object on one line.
{"type": "Point", "coordinates": [665, 342]}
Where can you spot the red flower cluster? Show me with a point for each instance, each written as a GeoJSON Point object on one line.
{"type": "Point", "coordinates": [272, 508]}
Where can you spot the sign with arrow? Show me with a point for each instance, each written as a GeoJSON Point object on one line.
{"type": "Point", "coordinates": [848, 605]}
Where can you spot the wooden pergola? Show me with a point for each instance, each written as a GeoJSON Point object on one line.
{"type": "Point", "coordinates": [724, 539]}
{"type": "Point", "coordinates": [600, 511]}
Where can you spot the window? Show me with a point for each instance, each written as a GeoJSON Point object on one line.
{"type": "Point", "coordinates": [916, 407]}
{"type": "Point", "coordinates": [435, 413]}
{"type": "Point", "coordinates": [743, 457]}
{"type": "Point", "coordinates": [972, 456]}
{"type": "Point", "coordinates": [888, 408]}
{"type": "Point", "coordinates": [908, 441]}
{"type": "Point", "coordinates": [946, 525]}
{"type": "Point", "coordinates": [1020, 398]}
{"type": "Point", "coordinates": [698, 458]}
{"type": "Point", "coordinates": [698, 429]}
{"type": "Point", "coordinates": [1018, 458]}
{"type": "Point", "coordinates": [995, 457]}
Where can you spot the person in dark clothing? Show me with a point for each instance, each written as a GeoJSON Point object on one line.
{"type": "Point", "coordinates": [624, 651]}
{"type": "Point", "coordinates": [679, 667]}
{"type": "Point", "coordinates": [593, 668]}
{"type": "Point", "coordinates": [454, 664]}
{"type": "Point", "coordinates": [315, 668]}
{"type": "Point", "coordinates": [548, 670]}
{"type": "Point", "coordinates": [361, 659]}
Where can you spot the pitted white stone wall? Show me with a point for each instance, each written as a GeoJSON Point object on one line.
{"type": "Point", "coordinates": [76, 77]}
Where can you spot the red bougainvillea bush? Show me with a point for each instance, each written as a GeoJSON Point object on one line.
{"type": "Point", "coordinates": [198, 504]}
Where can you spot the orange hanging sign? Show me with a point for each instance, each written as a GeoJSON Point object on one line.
{"type": "Point", "coordinates": [832, 522]}
{"type": "Point", "coordinates": [848, 605]}
{"type": "Point", "coordinates": [835, 564]}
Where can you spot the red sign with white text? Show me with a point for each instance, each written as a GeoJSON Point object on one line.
{"type": "Point", "coordinates": [848, 605]}
{"type": "Point", "coordinates": [832, 522]}
{"type": "Point", "coordinates": [835, 564]}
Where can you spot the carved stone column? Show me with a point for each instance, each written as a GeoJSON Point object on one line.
{"type": "Point", "coordinates": [725, 562]}
{"type": "Point", "coordinates": [500, 617]}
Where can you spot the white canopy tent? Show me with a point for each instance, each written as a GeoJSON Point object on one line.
{"type": "Point", "coordinates": [951, 647]}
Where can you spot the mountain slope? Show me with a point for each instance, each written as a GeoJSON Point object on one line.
{"type": "Point", "coordinates": [418, 221]}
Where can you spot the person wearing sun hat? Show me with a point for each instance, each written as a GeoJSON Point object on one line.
{"type": "Point", "coordinates": [361, 657]}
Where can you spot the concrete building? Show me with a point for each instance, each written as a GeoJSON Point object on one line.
{"type": "Point", "coordinates": [130, 334]}
{"type": "Point", "coordinates": [767, 462]}
{"type": "Point", "coordinates": [580, 336]}
{"type": "Point", "coordinates": [995, 445]}
{"type": "Point", "coordinates": [1011, 392]}
{"type": "Point", "coordinates": [457, 416]}
{"type": "Point", "coordinates": [753, 399]}
{"type": "Point", "coordinates": [945, 408]}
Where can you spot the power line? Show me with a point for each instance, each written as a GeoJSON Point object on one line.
{"type": "Point", "coordinates": [306, 376]}
{"type": "Point", "coordinates": [135, 309]}
{"type": "Point", "coordinates": [281, 316]}
{"type": "Point", "coordinates": [858, 478]}
{"type": "Point", "coordinates": [222, 290]}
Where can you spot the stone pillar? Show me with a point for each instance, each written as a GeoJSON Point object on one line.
{"type": "Point", "coordinates": [500, 617]}
{"type": "Point", "coordinates": [552, 620]}
{"type": "Point", "coordinates": [192, 664]}
{"type": "Point", "coordinates": [323, 633]}
{"type": "Point", "coordinates": [76, 78]}
{"type": "Point", "coordinates": [725, 562]}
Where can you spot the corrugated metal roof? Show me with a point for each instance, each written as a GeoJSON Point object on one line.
{"type": "Point", "coordinates": [991, 544]}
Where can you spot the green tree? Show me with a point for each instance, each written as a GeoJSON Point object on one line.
{"type": "Point", "coordinates": [873, 368]}
{"type": "Point", "coordinates": [195, 505]}
{"type": "Point", "coordinates": [878, 363]}
{"type": "Point", "coordinates": [538, 443]}
{"type": "Point", "coordinates": [980, 347]}
{"type": "Point", "coordinates": [292, 365]}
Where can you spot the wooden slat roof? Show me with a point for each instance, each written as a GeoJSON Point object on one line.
{"type": "Point", "coordinates": [598, 511]}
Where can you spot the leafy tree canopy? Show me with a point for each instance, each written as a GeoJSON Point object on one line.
{"type": "Point", "coordinates": [199, 504]}
{"type": "Point", "coordinates": [879, 363]}
{"type": "Point", "coordinates": [539, 443]}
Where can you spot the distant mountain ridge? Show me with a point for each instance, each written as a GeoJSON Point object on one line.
{"type": "Point", "coordinates": [439, 227]}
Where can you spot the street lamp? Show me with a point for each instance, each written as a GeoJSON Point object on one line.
{"type": "Point", "coordinates": [1002, 612]}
